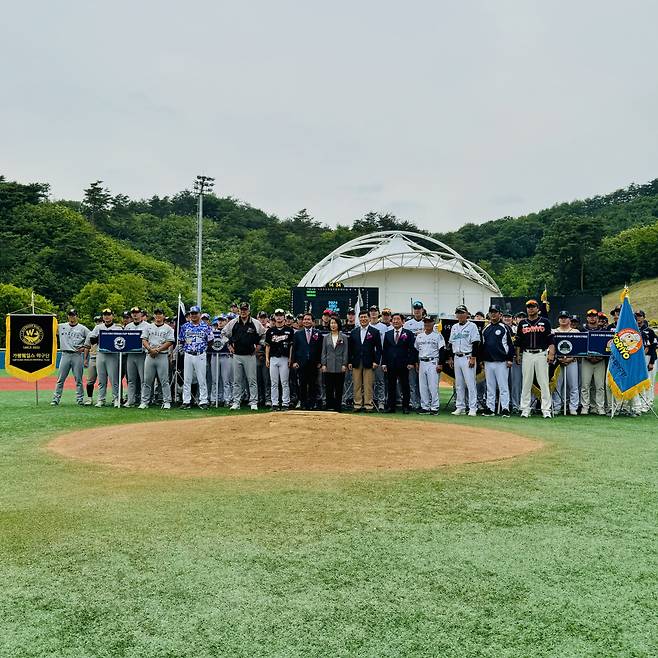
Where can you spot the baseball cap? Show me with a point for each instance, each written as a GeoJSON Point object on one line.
{"type": "Point", "coordinates": [215, 320]}
{"type": "Point", "coordinates": [97, 318]}
{"type": "Point", "coordinates": [289, 316]}
{"type": "Point", "coordinates": [158, 311]}
{"type": "Point", "coordinates": [428, 318]}
{"type": "Point", "coordinates": [350, 311]}
{"type": "Point", "coordinates": [374, 307]}
{"type": "Point", "coordinates": [640, 313]}
{"type": "Point", "coordinates": [386, 311]}
{"type": "Point", "coordinates": [461, 309]}
{"type": "Point", "coordinates": [230, 316]}
{"type": "Point", "coordinates": [107, 311]}
{"type": "Point", "coordinates": [507, 314]}
{"type": "Point", "coordinates": [72, 311]}
{"type": "Point", "coordinates": [327, 311]}
{"type": "Point", "coordinates": [575, 318]}
{"type": "Point", "coordinates": [126, 314]}
{"type": "Point", "coordinates": [244, 305]}
{"type": "Point", "coordinates": [135, 309]}
{"type": "Point", "coordinates": [195, 309]}
{"type": "Point", "coordinates": [205, 315]}
{"type": "Point", "coordinates": [521, 314]}
{"type": "Point", "coordinates": [564, 314]}
{"type": "Point", "coordinates": [418, 304]}
{"type": "Point", "coordinates": [532, 302]}
{"type": "Point", "coordinates": [262, 314]}
{"type": "Point", "coordinates": [616, 309]}
{"type": "Point", "coordinates": [494, 308]}
{"type": "Point", "coordinates": [279, 311]}
{"type": "Point", "coordinates": [592, 311]}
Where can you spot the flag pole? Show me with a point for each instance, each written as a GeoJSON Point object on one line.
{"type": "Point", "coordinates": [36, 383]}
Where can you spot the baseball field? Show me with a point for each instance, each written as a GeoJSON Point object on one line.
{"type": "Point", "coordinates": [549, 549]}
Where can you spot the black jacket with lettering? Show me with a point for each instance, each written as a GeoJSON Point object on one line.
{"type": "Point", "coordinates": [535, 335]}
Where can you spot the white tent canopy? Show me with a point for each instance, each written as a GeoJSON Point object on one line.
{"type": "Point", "coordinates": [405, 266]}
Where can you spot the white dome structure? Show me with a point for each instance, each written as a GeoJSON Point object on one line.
{"type": "Point", "coordinates": [406, 266]}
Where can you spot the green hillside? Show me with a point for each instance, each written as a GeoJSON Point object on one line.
{"type": "Point", "coordinates": [110, 250]}
{"type": "Point", "coordinates": [643, 295]}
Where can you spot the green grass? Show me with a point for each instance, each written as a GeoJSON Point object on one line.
{"type": "Point", "coordinates": [644, 295]}
{"type": "Point", "coordinates": [554, 554]}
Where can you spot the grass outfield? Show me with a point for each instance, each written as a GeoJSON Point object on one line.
{"type": "Point", "coordinates": [554, 554]}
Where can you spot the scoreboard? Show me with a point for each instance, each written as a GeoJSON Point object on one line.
{"type": "Point", "coordinates": [336, 298]}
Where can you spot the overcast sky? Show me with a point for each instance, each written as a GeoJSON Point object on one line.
{"type": "Point", "coordinates": [439, 111]}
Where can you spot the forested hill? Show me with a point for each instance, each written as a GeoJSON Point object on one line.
{"type": "Point", "coordinates": [111, 250]}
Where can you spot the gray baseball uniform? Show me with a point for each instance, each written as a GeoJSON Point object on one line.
{"type": "Point", "coordinates": [135, 366]}
{"type": "Point", "coordinates": [107, 364]}
{"type": "Point", "coordinates": [72, 339]}
{"type": "Point", "coordinates": [155, 336]}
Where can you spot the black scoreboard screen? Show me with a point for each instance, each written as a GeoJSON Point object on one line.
{"type": "Point", "coordinates": [335, 298]}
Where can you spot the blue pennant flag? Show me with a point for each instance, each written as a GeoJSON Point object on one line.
{"type": "Point", "coordinates": [627, 371]}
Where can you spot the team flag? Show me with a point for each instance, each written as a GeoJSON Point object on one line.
{"type": "Point", "coordinates": [627, 370]}
{"type": "Point", "coordinates": [180, 319]}
{"type": "Point", "coordinates": [357, 307]}
{"type": "Point", "coordinates": [544, 300]}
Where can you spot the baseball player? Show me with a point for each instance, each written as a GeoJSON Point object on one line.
{"type": "Point", "coordinates": [593, 368]}
{"type": "Point", "coordinates": [568, 368]}
{"type": "Point", "coordinates": [416, 326]}
{"type": "Point", "coordinates": [195, 336]}
{"type": "Point", "coordinates": [90, 364]}
{"type": "Point", "coordinates": [278, 354]}
{"type": "Point", "coordinates": [222, 365]}
{"type": "Point", "coordinates": [107, 363]}
{"type": "Point", "coordinates": [644, 403]}
{"type": "Point", "coordinates": [135, 360]}
{"type": "Point", "coordinates": [157, 338]}
{"type": "Point", "coordinates": [463, 344]}
{"type": "Point", "coordinates": [535, 349]}
{"type": "Point", "coordinates": [430, 345]}
{"type": "Point", "coordinates": [245, 334]}
{"type": "Point", "coordinates": [497, 355]}
{"type": "Point", "coordinates": [72, 338]}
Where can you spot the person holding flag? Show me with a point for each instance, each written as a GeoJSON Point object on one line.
{"type": "Point", "coordinates": [628, 374]}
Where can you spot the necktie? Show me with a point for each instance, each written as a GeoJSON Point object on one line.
{"type": "Point", "coordinates": [308, 336]}
{"type": "Point", "coordinates": [397, 335]}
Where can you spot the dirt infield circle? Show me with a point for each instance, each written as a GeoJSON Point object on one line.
{"type": "Point", "coordinates": [301, 442]}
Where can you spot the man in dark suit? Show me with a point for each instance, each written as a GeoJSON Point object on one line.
{"type": "Point", "coordinates": [306, 355]}
{"type": "Point", "coordinates": [399, 357]}
{"type": "Point", "coordinates": [364, 355]}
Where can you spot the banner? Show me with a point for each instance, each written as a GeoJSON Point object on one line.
{"type": "Point", "coordinates": [31, 348]}
{"type": "Point", "coordinates": [600, 343]}
{"type": "Point", "coordinates": [571, 343]}
{"type": "Point", "coordinates": [627, 370]}
{"type": "Point", "coordinates": [120, 341]}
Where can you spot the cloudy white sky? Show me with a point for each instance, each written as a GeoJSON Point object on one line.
{"type": "Point", "coordinates": [439, 111]}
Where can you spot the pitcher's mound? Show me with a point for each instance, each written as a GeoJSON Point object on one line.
{"type": "Point", "coordinates": [310, 442]}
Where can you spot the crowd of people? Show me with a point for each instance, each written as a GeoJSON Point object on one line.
{"type": "Point", "coordinates": [371, 361]}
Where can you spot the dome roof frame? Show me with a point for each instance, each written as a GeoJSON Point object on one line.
{"type": "Point", "coordinates": [389, 250]}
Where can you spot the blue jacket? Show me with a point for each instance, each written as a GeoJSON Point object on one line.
{"type": "Point", "coordinates": [497, 343]}
{"type": "Point", "coordinates": [363, 355]}
{"type": "Point", "coordinates": [304, 352]}
{"type": "Point", "coordinates": [403, 353]}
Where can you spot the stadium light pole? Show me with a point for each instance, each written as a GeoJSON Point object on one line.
{"type": "Point", "coordinates": [202, 185]}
